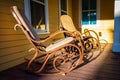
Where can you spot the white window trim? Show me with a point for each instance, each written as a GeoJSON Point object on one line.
{"type": "Point", "coordinates": [80, 16]}
{"type": "Point", "coordinates": [61, 10]}
{"type": "Point", "coordinates": [28, 15]}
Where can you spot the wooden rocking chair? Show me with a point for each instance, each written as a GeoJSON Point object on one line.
{"type": "Point", "coordinates": [57, 58]}
{"type": "Point", "coordinates": [88, 42]}
{"type": "Point", "coordinates": [88, 32]}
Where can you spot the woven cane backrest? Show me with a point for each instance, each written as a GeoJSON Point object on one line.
{"type": "Point", "coordinates": [67, 23]}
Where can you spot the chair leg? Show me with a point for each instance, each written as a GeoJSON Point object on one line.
{"type": "Point", "coordinates": [63, 60]}
{"type": "Point", "coordinates": [34, 57]}
{"type": "Point", "coordinates": [71, 56]}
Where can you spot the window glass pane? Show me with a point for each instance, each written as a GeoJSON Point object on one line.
{"type": "Point", "coordinates": [88, 12]}
{"type": "Point", "coordinates": [92, 4]}
{"type": "Point", "coordinates": [85, 18]}
{"type": "Point", "coordinates": [64, 5]}
{"type": "Point", "coordinates": [85, 4]}
{"type": "Point", "coordinates": [37, 14]}
{"type": "Point", "coordinates": [93, 17]}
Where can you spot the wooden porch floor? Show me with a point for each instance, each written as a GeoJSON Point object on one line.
{"type": "Point", "coordinates": [104, 67]}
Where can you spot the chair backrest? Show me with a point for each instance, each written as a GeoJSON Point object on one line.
{"type": "Point", "coordinates": [67, 23]}
{"type": "Point", "coordinates": [22, 20]}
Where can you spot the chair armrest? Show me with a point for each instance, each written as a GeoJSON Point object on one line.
{"type": "Point", "coordinates": [92, 32]}
{"type": "Point", "coordinates": [58, 32]}
{"type": "Point", "coordinates": [54, 34]}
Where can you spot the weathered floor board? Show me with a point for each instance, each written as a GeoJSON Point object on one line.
{"type": "Point", "coordinates": [104, 67]}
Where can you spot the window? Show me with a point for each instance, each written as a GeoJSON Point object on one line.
{"type": "Point", "coordinates": [63, 4]}
{"type": "Point", "coordinates": [63, 7]}
{"type": "Point", "coordinates": [37, 13]}
{"type": "Point", "coordinates": [89, 12]}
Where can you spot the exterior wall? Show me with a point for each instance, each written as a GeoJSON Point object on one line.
{"type": "Point", "coordinates": [70, 9]}
{"type": "Point", "coordinates": [107, 20]}
{"type": "Point", "coordinates": [53, 7]}
{"type": "Point", "coordinates": [75, 12]}
{"type": "Point", "coordinates": [13, 45]}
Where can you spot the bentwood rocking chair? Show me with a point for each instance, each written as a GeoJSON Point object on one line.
{"type": "Point", "coordinates": [88, 32]}
{"type": "Point", "coordinates": [88, 42]}
{"type": "Point", "coordinates": [59, 57]}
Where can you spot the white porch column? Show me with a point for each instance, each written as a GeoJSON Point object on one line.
{"type": "Point", "coordinates": [116, 44]}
